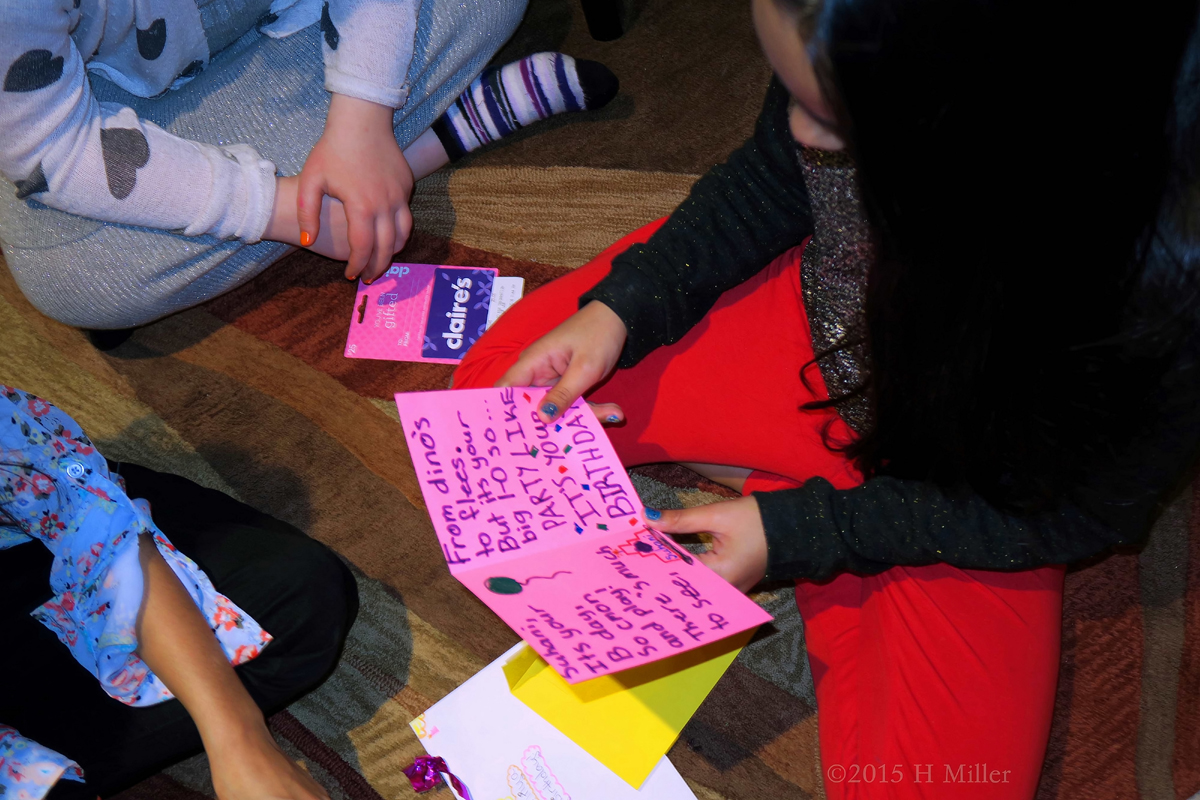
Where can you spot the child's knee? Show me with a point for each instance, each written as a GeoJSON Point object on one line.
{"type": "Point", "coordinates": [125, 315]}
{"type": "Point", "coordinates": [96, 306]}
{"type": "Point", "coordinates": [66, 284]}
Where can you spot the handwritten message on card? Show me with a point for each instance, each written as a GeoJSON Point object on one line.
{"type": "Point", "coordinates": [542, 523]}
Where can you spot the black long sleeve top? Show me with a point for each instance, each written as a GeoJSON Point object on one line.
{"type": "Point", "coordinates": [737, 218]}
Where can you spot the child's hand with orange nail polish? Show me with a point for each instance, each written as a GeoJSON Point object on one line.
{"type": "Point", "coordinates": [358, 163]}
{"type": "Point", "coordinates": [332, 239]}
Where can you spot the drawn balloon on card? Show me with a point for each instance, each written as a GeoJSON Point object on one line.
{"type": "Point", "coordinates": [503, 585]}
{"type": "Point", "coordinates": [541, 522]}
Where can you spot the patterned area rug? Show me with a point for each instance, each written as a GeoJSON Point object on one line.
{"type": "Point", "coordinates": [250, 394]}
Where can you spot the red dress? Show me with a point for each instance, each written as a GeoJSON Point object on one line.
{"type": "Point", "coordinates": [932, 681]}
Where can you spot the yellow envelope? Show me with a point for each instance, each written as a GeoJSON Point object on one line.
{"type": "Point", "coordinates": [630, 719]}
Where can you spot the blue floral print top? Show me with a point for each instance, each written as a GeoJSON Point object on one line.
{"type": "Point", "coordinates": [55, 487]}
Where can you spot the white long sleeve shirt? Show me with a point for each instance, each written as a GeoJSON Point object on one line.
{"type": "Point", "coordinates": [99, 160]}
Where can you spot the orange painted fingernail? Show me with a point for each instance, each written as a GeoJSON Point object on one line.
{"type": "Point", "coordinates": [306, 238]}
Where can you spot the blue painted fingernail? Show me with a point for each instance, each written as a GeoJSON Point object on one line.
{"type": "Point", "coordinates": [550, 409]}
{"type": "Point", "coordinates": [613, 418]}
{"type": "Point", "coordinates": [653, 513]}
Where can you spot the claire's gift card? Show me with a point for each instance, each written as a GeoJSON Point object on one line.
{"type": "Point", "coordinates": [425, 312]}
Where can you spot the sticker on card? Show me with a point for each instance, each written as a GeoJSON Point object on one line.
{"type": "Point", "coordinates": [427, 312]}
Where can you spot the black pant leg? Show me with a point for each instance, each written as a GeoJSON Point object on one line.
{"type": "Point", "coordinates": [295, 587]}
{"type": "Point", "coordinates": [307, 602]}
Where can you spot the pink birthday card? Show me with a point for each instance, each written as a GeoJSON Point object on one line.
{"type": "Point", "coordinates": [542, 523]}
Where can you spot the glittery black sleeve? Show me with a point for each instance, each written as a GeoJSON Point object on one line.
{"type": "Point", "coordinates": [817, 531]}
{"type": "Point", "coordinates": [738, 216]}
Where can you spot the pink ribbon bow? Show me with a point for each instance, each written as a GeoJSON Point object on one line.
{"type": "Point", "coordinates": [426, 771]}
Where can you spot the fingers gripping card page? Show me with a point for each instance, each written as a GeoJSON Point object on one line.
{"type": "Point", "coordinates": [542, 523]}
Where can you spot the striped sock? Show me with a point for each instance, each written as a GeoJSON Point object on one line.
{"type": "Point", "coordinates": [503, 100]}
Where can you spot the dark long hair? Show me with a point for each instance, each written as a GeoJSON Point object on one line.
{"type": "Point", "coordinates": [1031, 171]}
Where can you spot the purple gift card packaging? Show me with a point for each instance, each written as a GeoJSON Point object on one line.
{"type": "Point", "coordinates": [426, 312]}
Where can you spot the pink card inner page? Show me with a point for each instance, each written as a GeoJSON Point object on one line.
{"type": "Point", "coordinates": [500, 484]}
{"type": "Point", "coordinates": [597, 607]}
{"type": "Point", "coordinates": [542, 523]}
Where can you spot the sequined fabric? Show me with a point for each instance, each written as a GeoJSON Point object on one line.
{"type": "Point", "coordinates": [834, 276]}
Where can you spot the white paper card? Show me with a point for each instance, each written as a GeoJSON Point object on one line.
{"type": "Point", "coordinates": [505, 292]}
{"type": "Point", "coordinates": [502, 750]}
